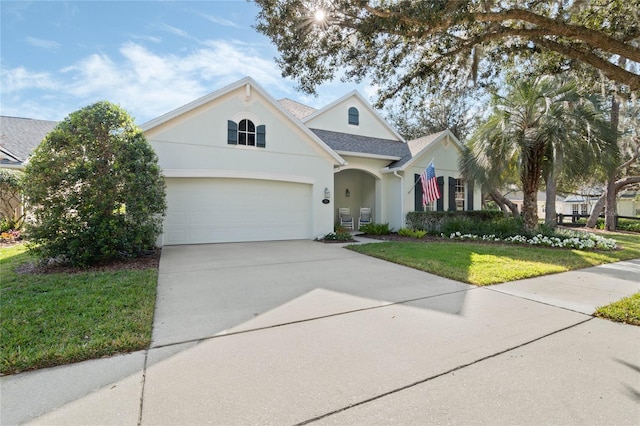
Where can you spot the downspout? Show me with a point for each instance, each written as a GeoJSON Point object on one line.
{"type": "Point", "coordinates": [395, 173]}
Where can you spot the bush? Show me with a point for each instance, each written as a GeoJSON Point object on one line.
{"type": "Point", "coordinates": [413, 233]}
{"type": "Point", "coordinates": [376, 229]}
{"type": "Point", "coordinates": [629, 225]}
{"type": "Point", "coordinates": [94, 189]}
{"type": "Point", "coordinates": [435, 222]}
{"type": "Point", "coordinates": [338, 236]}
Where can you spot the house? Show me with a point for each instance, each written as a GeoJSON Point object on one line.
{"type": "Point", "coordinates": [241, 166]}
{"type": "Point", "coordinates": [19, 137]}
{"type": "Point", "coordinates": [517, 198]}
{"type": "Point", "coordinates": [628, 203]}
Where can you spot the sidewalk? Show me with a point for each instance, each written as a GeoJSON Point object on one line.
{"type": "Point", "coordinates": [400, 347]}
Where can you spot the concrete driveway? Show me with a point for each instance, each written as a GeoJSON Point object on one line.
{"type": "Point", "coordinates": [300, 332]}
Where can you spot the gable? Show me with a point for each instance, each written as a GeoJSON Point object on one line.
{"type": "Point", "coordinates": [443, 147]}
{"type": "Point", "coordinates": [336, 118]}
{"type": "Point", "coordinates": [195, 136]}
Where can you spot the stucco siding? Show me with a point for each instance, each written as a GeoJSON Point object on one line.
{"type": "Point", "coordinates": [336, 119]}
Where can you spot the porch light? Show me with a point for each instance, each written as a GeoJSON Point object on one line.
{"type": "Point", "coordinates": [327, 193]}
{"type": "Point", "coordinates": [347, 193]}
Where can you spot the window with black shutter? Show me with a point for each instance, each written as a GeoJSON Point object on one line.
{"type": "Point", "coordinates": [246, 133]}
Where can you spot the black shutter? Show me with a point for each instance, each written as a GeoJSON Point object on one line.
{"type": "Point", "coordinates": [440, 202]}
{"type": "Point", "coordinates": [417, 193]}
{"type": "Point", "coordinates": [232, 133]}
{"type": "Point", "coordinates": [452, 194]}
{"type": "Point", "coordinates": [470, 195]}
{"type": "Point", "coordinates": [261, 135]}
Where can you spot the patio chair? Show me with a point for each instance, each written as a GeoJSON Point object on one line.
{"type": "Point", "coordinates": [346, 220]}
{"type": "Point", "coordinates": [365, 216]}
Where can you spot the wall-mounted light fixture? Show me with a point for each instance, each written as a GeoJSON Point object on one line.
{"type": "Point", "coordinates": [347, 193]}
{"type": "Point", "coordinates": [327, 193]}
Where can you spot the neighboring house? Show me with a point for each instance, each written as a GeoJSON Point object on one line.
{"type": "Point", "coordinates": [581, 205]}
{"type": "Point", "coordinates": [241, 166]}
{"type": "Point", "coordinates": [517, 198]}
{"type": "Point", "coordinates": [628, 204]}
{"type": "Point", "coordinates": [19, 137]}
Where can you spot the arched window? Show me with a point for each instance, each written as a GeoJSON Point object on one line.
{"type": "Point", "coordinates": [354, 116]}
{"type": "Point", "coordinates": [246, 133]}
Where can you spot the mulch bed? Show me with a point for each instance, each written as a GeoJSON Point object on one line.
{"type": "Point", "coordinates": [147, 261]}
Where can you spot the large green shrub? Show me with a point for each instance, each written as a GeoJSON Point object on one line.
{"type": "Point", "coordinates": [94, 189]}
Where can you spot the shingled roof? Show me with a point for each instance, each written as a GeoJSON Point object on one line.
{"type": "Point", "coordinates": [298, 110]}
{"type": "Point", "coordinates": [19, 137]}
{"type": "Point", "coordinates": [344, 142]}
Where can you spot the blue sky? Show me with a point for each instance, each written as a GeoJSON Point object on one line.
{"type": "Point", "coordinates": [149, 57]}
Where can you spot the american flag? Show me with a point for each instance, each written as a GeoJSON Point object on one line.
{"type": "Point", "coordinates": [430, 191]}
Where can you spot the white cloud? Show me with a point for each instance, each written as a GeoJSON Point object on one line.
{"type": "Point", "coordinates": [175, 31]}
{"type": "Point", "coordinates": [147, 83]}
{"type": "Point", "coordinates": [220, 21]}
{"type": "Point", "coordinates": [18, 79]}
{"type": "Point", "coordinates": [44, 44]}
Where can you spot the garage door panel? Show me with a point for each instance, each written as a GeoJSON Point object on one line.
{"type": "Point", "coordinates": [212, 210]}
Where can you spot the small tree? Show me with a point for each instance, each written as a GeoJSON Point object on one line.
{"type": "Point", "coordinates": [94, 189]}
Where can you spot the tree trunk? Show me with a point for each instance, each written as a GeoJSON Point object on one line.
{"type": "Point", "coordinates": [530, 178]}
{"type": "Point", "coordinates": [550, 203]}
{"type": "Point", "coordinates": [530, 207]}
{"type": "Point", "coordinates": [595, 213]}
{"type": "Point", "coordinates": [552, 188]}
{"type": "Point", "coordinates": [612, 209]}
{"type": "Point", "coordinates": [504, 203]}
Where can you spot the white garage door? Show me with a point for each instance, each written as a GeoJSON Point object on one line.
{"type": "Point", "coordinates": [216, 210]}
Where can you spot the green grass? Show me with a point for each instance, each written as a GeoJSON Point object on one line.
{"type": "Point", "coordinates": [54, 319]}
{"type": "Point", "coordinates": [486, 264]}
{"type": "Point", "coordinates": [625, 310]}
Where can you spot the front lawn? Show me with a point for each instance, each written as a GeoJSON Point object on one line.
{"type": "Point", "coordinates": [492, 263]}
{"type": "Point", "coordinates": [625, 310]}
{"type": "Point", "coordinates": [59, 318]}
{"type": "Point", "coordinates": [488, 263]}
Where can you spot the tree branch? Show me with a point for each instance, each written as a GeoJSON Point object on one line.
{"type": "Point", "coordinates": [595, 39]}
{"type": "Point", "coordinates": [610, 70]}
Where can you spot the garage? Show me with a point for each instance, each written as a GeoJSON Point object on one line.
{"type": "Point", "coordinates": [219, 210]}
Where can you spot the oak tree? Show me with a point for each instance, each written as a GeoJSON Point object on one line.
{"type": "Point", "coordinates": [409, 47]}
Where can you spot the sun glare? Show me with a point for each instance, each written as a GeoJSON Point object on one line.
{"type": "Point", "coordinates": [320, 15]}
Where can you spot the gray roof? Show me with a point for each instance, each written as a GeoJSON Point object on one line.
{"type": "Point", "coordinates": [365, 145]}
{"type": "Point", "coordinates": [296, 109]}
{"type": "Point", "coordinates": [519, 196]}
{"type": "Point", "coordinates": [20, 136]}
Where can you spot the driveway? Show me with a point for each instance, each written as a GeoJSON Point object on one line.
{"type": "Point", "coordinates": [206, 289]}
{"type": "Point", "coordinates": [299, 332]}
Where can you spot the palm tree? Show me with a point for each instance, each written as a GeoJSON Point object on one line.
{"type": "Point", "coordinates": [582, 142]}
{"type": "Point", "coordinates": [543, 125]}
